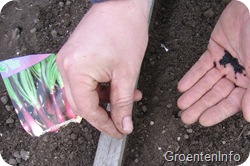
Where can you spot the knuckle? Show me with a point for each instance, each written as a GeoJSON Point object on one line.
{"type": "Point", "coordinates": [123, 103]}
{"type": "Point", "coordinates": [66, 62]}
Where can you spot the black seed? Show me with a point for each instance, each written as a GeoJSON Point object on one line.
{"type": "Point", "coordinates": [229, 59]}
{"type": "Point", "coordinates": [224, 76]}
{"type": "Point", "coordinates": [214, 64]}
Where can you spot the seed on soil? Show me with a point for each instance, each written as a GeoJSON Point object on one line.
{"type": "Point", "coordinates": [224, 142]}
{"type": "Point", "coordinates": [4, 99]}
{"type": "Point", "coordinates": [178, 138]}
{"type": "Point", "coordinates": [159, 148]}
{"type": "Point", "coordinates": [152, 123]}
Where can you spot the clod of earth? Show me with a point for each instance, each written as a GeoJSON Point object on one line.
{"type": "Point", "coordinates": [229, 59]}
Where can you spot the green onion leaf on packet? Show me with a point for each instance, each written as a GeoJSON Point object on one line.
{"type": "Point", "coordinates": [36, 90]}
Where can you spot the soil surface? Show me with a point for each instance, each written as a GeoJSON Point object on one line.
{"type": "Point", "coordinates": [184, 27]}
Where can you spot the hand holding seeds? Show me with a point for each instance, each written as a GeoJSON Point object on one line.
{"type": "Point", "coordinates": [217, 86]}
{"type": "Point", "coordinates": [107, 46]}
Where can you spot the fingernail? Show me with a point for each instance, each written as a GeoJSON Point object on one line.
{"type": "Point", "coordinates": [127, 124]}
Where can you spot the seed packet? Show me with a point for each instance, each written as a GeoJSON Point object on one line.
{"type": "Point", "coordinates": [36, 90]}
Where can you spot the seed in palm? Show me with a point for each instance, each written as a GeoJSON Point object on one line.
{"type": "Point", "coordinates": [229, 59]}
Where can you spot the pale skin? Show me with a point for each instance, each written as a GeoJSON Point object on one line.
{"type": "Point", "coordinates": [109, 44]}
{"type": "Point", "coordinates": [208, 97]}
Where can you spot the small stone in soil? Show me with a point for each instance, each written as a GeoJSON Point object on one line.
{"type": "Point", "coordinates": [54, 33]}
{"type": "Point", "coordinates": [17, 155]}
{"type": "Point", "coordinates": [10, 120]}
{"type": "Point", "coordinates": [36, 21]}
{"type": "Point", "coordinates": [144, 108]}
{"type": "Point", "coordinates": [61, 4]}
{"type": "Point", "coordinates": [68, 3]}
{"type": "Point", "coordinates": [4, 99]}
{"type": "Point", "coordinates": [80, 140]}
{"type": "Point", "coordinates": [187, 126]}
{"type": "Point", "coordinates": [169, 105]}
{"type": "Point", "coordinates": [8, 107]}
{"type": "Point", "coordinates": [209, 13]}
{"type": "Point", "coordinates": [12, 161]}
{"type": "Point", "coordinates": [16, 33]}
{"type": "Point", "coordinates": [136, 160]}
{"type": "Point", "coordinates": [73, 136]}
{"type": "Point", "coordinates": [45, 138]}
{"type": "Point", "coordinates": [186, 136]}
{"type": "Point", "coordinates": [189, 130]}
{"type": "Point", "coordinates": [179, 114]}
{"type": "Point", "coordinates": [33, 30]}
{"type": "Point", "coordinates": [25, 154]}
{"type": "Point", "coordinates": [152, 123]}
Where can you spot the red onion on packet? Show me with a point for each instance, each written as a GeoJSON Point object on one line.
{"type": "Point", "coordinates": [36, 90]}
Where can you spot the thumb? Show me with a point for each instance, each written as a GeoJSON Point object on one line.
{"type": "Point", "coordinates": [246, 104]}
{"type": "Point", "coordinates": [122, 98]}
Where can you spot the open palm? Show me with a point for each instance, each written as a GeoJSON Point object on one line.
{"type": "Point", "coordinates": [214, 91]}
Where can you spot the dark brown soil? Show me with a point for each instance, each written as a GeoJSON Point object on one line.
{"type": "Point", "coordinates": [42, 27]}
{"type": "Point", "coordinates": [183, 26]}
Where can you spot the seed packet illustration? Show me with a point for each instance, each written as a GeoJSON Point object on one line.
{"type": "Point", "coordinates": [36, 90]}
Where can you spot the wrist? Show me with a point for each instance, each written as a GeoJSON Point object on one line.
{"type": "Point", "coordinates": [116, 7]}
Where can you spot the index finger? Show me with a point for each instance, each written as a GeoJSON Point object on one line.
{"type": "Point", "coordinates": [198, 70]}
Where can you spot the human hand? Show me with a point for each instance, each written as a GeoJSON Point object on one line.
{"type": "Point", "coordinates": [214, 92]}
{"type": "Point", "coordinates": [108, 45]}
